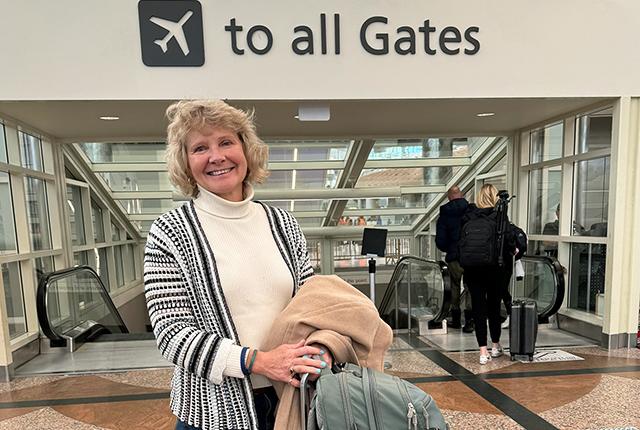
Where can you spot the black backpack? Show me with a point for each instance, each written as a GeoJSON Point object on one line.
{"type": "Point", "coordinates": [478, 245]}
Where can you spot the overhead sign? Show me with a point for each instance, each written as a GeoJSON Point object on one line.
{"type": "Point", "coordinates": [171, 33]}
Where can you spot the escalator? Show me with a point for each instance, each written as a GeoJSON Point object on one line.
{"type": "Point", "coordinates": [74, 307]}
{"type": "Point", "coordinates": [419, 293]}
{"type": "Point", "coordinates": [543, 283]}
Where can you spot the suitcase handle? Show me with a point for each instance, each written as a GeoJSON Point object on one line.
{"type": "Point", "coordinates": [304, 406]}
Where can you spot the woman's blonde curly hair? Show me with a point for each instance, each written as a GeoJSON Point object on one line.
{"type": "Point", "coordinates": [487, 196]}
{"type": "Point", "coordinates": [186, 116]}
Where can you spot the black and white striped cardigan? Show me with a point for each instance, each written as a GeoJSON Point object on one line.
{"type": "Point", "coordinates": [191, 319]}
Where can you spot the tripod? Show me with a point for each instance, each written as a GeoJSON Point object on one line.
{"type": "Point", "coordinates": [502, 222]}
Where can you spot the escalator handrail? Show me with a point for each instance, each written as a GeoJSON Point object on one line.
{"type": "Point", "coordinates": [446, 284]}
{"type": "Point", "coordinates": [559, 290]}
{"type": "Point", "coordinates": [41, 300]}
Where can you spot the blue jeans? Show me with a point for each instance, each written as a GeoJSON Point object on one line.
{"type": "Point", "coordinates": [266, 401]}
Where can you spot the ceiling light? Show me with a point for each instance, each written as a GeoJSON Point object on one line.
{"type": "Point", "coordinates": [109, 118]}
{"type": "Point", "coordinates": [314, 112]}
{"type": "Point", "coordinates": [483, 114]}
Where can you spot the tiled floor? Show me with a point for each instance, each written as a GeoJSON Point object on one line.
{"type": "Point", "coordinates": [456, 340]}
{"type": "Point", "coordinates": [598, 392]}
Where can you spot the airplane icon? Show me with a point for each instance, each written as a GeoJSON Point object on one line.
{"type": "Point", "coordinates": [175, 30]}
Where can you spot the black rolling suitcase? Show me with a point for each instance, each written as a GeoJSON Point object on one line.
{"type": "Point", "coordinates": [523, 329]}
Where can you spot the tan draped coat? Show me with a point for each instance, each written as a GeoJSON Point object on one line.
{"type": "Point", "coordinates": [329, 311]}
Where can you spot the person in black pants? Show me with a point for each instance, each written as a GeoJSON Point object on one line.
{"type": "Point", "coordinates": [487, 283]}
{"type": "Point", "coordinates": [447, 237]}
{"type": "Point", "coordinates": [486, 287]}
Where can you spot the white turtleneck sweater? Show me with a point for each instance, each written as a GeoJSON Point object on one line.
{"type": "Point", "coordinates": [255, 279]}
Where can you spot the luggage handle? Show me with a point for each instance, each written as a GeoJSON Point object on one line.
{"type": "Point", "coordinates": [304, 406]}
{"type": "Point", "coordinates": [305, 402]}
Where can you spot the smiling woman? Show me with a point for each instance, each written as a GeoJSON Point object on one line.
{"type": "Point", "coordinates": [202, 122]}
{"type": "Point", "coordinates": [220, 269]}
{"type": "Point", "coordinates": [217, 162]}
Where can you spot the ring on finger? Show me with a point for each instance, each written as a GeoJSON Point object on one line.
{"type": "Point", "coordinates": [291, 370]}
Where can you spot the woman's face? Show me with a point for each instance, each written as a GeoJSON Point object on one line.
{"type": "Point", "coordinates": [217, 161]}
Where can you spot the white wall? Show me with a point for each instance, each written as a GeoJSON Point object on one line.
{"type": "Point", "coordinates": [87, 49]}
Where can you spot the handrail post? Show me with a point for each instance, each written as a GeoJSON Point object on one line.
{"type": "Point", "coordinates": [396, 305]}
{"type": "Point", "coordinates": [409, 297]}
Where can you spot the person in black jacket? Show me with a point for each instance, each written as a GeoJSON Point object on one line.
{"type": "Point", "coordinates": [447, 236]}
{"type": "Point", "coordinates": [487, 282]}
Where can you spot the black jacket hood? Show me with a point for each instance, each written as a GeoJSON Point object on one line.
{"type": "Point", "coordinates": [455, 208]}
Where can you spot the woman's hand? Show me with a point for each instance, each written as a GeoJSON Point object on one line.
{"type": "Point", "coordinates": [285, 361]}
{"type": "Point", "coordinates": [326, 358]}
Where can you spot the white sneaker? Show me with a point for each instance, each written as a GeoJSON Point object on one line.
{"type": "Point", "coordinates": [496, 352]}
{"type": "Point", "coordinates": [505, 324]}
{"type": "Point", "coordinates": [484, 359]}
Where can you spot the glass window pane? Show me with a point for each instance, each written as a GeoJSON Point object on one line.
{"type": "Point", "coordinates": [307, 150]}
{"type": "Point", "coordinates": [136, 263]}
{"type": "Point", "coordinates": [407, 177]}
{"type": "Point", "coordinates": [301, 179]}
{"type": "Point", "coordinates": [396, 149]}
{"type": "Point", "coordinates": [314, 248]}
{"type": "Point", "coordinates": [76, 219]}
{"type": "Point", "coordinates": [98, 222]}
{"type": "Point", "coordinates": [142, 226]}
{"type": "Point", "coordinates": [310, 222]}
{"type": "Point", "coordinates": [544, 199]}
{"type": "Point", "coordinates": [546, 143]}
{"type": "Point", "coordinates": [137, 181]}
{"type": "Point", "coordinates": [346, 253]}
{"type": "Point", "coordinates": [13, 297]}
{"type": "Point", "coordinates": [543, 247]}
{"type": "Point", "coordinates": [500, 182]}
{"type": "Point", "coordinates": [406, 201]}
{"type": "Point", "coordinates": [102, 267]}
{"type": "Point", "coordinates": [134, 152]}
{"type": "Point", "coordinates": [3, 145]}
{"type": "Point", "coordinates": [127, 261]}
{"type": "Point", "coordinates": [148, 206]}
{"type": "Point", "coordinates": [119, 267]}
{"type": "Point", "coordinates": [594, 131]}
{"type": "Point", "coordinates": [42, 267]}
{"type": "Point", "coordinates": [500, 166]}
{"type": "Point", "coordinates": [7, 224]}
{"type": "Point", "coordinates": [586, 277]}
{"type": "Point", "coordinates": [373, 220]}
{"type": "Point", "coordinates": [38, 213]}
{"type": "Point", "coordinates": [80, 258]}
{"type": "Point", "coordinates": [299, 205]}
{"type": "Point", "coordinates": [591, 198]}
{"type": "Point", "coordinates": [31, 152]}
{"type": "Point", "coordinates": [115, 233]}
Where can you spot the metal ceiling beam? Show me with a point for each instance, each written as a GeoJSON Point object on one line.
{"type": "Point", "coordinates": [354, 164]}
{"type": "Point", "coordinates": [301, 165]}
{"type": "Point", "coordinates": [153, 216]}
{"type": "Point", "coordinates": [407, 163]}
{"type": "Point", "coordinates": [341, 231]}
{"type": "Point", "coordinates": [274, 165]}
{"type": "Point", "coordinates": [287, 194]}
{"type": "Point", "coordinates": [385, 211]}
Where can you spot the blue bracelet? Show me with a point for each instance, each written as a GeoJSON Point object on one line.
{"type": "Point", "coordinates": [243, 356]}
